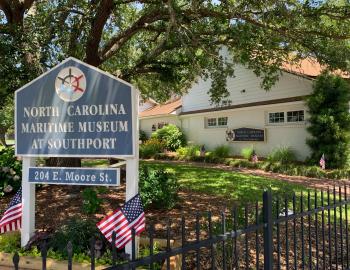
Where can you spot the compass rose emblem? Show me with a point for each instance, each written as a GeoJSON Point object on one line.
{"type": "Point", "coordinates": [70, 84]}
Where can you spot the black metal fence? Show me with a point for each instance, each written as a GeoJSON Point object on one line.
{"type": "Point", "coordinates": [308, 231]}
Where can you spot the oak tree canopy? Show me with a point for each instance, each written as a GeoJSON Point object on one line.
{"type": "Point", "coordinates": [163, 46]}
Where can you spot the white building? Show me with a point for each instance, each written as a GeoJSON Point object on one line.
{"type": "Point", "coordinates": [280, 113]}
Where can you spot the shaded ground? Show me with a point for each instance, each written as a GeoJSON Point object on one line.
{"type": "Point", "coordinates": [214, 189]}
{"type": "Point", "coordinates": [55, 204]}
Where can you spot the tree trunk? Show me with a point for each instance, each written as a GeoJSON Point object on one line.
{"type": "Point", "coordinates": [2, 137]}
{"type": "Point", "coordinates": [63, 162]}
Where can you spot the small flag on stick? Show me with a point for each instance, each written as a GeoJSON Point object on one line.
{"type": "Point", "coordinates": [254, 157]}
{"type": "Point", "coordinates": [323, 162]}
{"type": "Point", "coordinates": [12, 217]}
{"type": "Point", "coordinates": [122, 221]}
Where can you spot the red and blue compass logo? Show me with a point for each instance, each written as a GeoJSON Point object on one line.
{"type": "Point", "coordinates": [70, 84]}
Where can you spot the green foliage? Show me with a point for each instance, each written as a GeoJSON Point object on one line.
{"type": "Point", "coordinates": [6, 117]}
{"type": "Point", "coordinates": [151, 147]}
{"type": "Point", "coordinates": [283, 155]}
{"type": "Point", "coordinates": [10, 242]}
{"type": "Point", "coordinates": [330, 121]}
{"type": "Point", "coordinates": [241, 163]}
{"type": "Point", "coordinates": [91, 201]}
{"type": "Point", "coordinates": [172, 136]}
{"type": "Point", "coordinates": [221, 151]}
{"type": "Point", "coordinates": [10, 171]}
{"type": "Point", "coordinates": [158, 188]}
{"type": "Point", "coordinates": [78, 231]}
{"type": "Point", "coordinates": [247, 152]}
{"type": "Point", "coordinates": [168, 60]}
{"type": "Point", "coordinates": [188, 152]}
{"type": "Point", "coordinates": [229, 185]}
{"type": "Point", "coordinates": [143, 136]}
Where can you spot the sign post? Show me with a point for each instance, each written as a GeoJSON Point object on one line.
{"type": "Point", "coordinates": [75, 110]}
{"type": "Point", "coordinates": [28, 202]}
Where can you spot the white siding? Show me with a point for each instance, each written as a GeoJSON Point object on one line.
{"type": "Point", "coordinates": [289, 85]}
{"type": "Point", "coordinates": [293, 135]}
{"type": "Point", "coordinates": [146, 123]}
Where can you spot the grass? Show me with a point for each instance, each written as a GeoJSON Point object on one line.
{"type": "Point", "coordinates": [94, 163]}
{"type": "Point", "coordinates": [231, 185]}
{"type": "Point", "coordinates": [242, 188]}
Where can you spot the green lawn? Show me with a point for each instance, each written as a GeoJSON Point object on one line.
{"type": "Point", "coordinates": [242, 188]}
{"type": "Point", "coordinates": [231, 185]}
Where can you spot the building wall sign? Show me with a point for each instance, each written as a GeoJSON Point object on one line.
{"type": "Point", "coordinates": [74, 110]}
{"type": "Point", "coordinates": [245, 135]}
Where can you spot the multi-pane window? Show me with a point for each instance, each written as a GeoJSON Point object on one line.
{"type": "Point", "coordinates": [216, 122]}
{"type": "Point", "coordinates": [211, 122]}
{"type": "Point", "coordinates": [276, 117]}
{"type": "Point", "coordinates": [295, 116]}
{"type": "Point", "coordinates": [222, 121]}
{"type": "Point", "coordinates": [286, 117]}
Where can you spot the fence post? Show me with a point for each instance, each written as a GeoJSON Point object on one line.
{"type": "Point", "coordinates": [15, 260]}
{"type": "Point", "coordinates": [268, 227]}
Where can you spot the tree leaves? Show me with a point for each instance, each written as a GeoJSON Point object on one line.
{"type": "Point", "coordinates": [155, 44]}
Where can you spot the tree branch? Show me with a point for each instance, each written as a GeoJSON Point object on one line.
{"type": "Point", "coordinates": [104, 10]}
{"type": "Point", "coordinates": [116, 42]}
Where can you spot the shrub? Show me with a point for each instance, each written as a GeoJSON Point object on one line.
{"type": "Point", "coordinates": [329, 121]}
{"type": "Point", "coordinates": [188, 152]}
{"type": "Point", "coordinates": [239, 163]}
{"type": "Point", "coordinates": [221, 151]}
{"type": "Point", "coordinates": [78, 231]}
{"type": "Point", "coordinates": [283, 155]}
{"type": "Point", "coordinates": [247, 152]}
{"type": "Point", "coordinates": [143, 136]}
{"type": "Point", "coordinates": [338, 174]}
{"type": "Point", "coordinates": [172, 137]}
{"type": "Point", "coordinates": [91, 202]}
{"type": "Point", "coordinates": [158, 188]}
{"type": "Point", "coordinates": [10, 171]}
{"type": "Point", "coordinates": [10, 242]}
{"type": "Point", "coordinates": [151, 147]}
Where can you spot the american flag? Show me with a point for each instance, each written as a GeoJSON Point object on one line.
{"type": "Point", "coordinates": [12, 218]}
{"type": "Point", "coordinates": [123, 220]}
{"type": "Point", "coordinates": [323, 162]}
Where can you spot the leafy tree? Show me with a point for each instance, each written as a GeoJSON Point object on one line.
{"type": "Point", "coordinates": [330, 120]}
{"type": "Point", "coordinates": [6, 118]}
{"type": "Point", "coordinates": [162, 46]}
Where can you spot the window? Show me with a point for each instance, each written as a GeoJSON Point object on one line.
{"type": "Point", "coordinates": [154, 127]}
{"type": "Point", "coordinates": [295, 116]}
{"type": "Point", "coordinates": [286, 117]}
{"type": "Point", "coordinates": [162, 124]}
{"type": "Point", "coordinates": [222, 121]}
{"type": "Point", "coordinates": [215, 122]}
{"type": "Point", "coordinates": [277, 117]}
{"type": "Point", "coordinates": [211, 122]}
{"type": "Point", "coordinates": [141, 102]}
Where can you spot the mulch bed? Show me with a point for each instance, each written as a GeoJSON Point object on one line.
{"type": "Point", "coordinates": [57, 203]}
